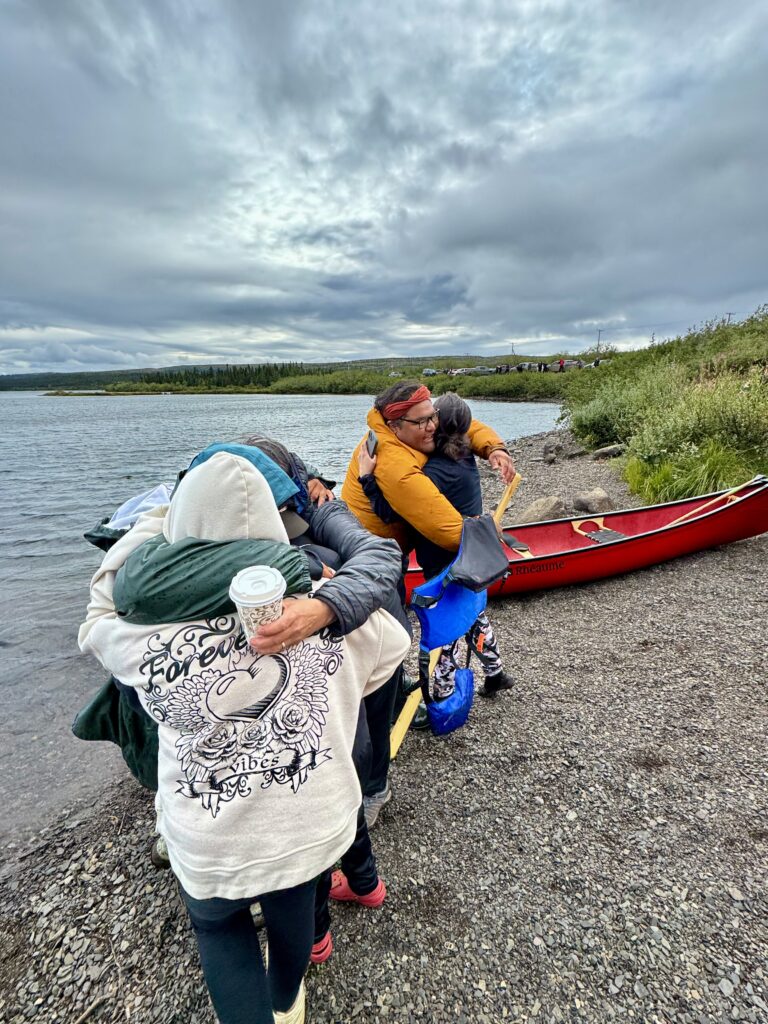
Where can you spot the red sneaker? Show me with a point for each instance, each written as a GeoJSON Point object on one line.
{"type": "Point", "coordinates": [340, 890]}
{"type": "Point", "coordinates": [322, 949]}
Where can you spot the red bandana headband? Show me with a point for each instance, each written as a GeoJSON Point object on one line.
{"type": "Point", "coordinates": [395, 410]}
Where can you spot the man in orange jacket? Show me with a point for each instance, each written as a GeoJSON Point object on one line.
{"type": "Point", "coordinates": [404, 421]}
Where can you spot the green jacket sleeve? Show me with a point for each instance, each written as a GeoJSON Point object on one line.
{"type": "Point", "coordinates": [109, 717]}
{"type": "Point", "coordinates": [162, 582]}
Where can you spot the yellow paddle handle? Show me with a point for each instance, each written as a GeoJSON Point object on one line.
{"type": "Point", "coordinates": [728, 496]}
{"type": "Point", "coordinates": [404, 719]}
{"type": "Point", "coordinates": [400, 728]}
{"type": "Point", "coordinates": [506, 497]}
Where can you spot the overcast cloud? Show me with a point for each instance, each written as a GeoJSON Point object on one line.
{"type": "Point", "coordinates": [242, 180]}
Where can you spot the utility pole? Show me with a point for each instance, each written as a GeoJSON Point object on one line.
{"type": "Point", "coordinates": [729, 315]}
{"type": "Point", "coordinates": [599, 332]}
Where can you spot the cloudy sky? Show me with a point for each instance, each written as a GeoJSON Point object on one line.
{"type": "Point", "coordinates": [241, 180]}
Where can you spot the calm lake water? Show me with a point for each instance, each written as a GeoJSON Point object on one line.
{"type": "Point", "coordinates": [65, 463]}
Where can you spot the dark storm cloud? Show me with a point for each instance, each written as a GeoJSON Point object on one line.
{"type": "Point", "coordinates": [253, 180]}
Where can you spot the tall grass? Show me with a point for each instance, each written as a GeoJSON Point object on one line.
{"type": "Point", "coordinates": [692, 413]}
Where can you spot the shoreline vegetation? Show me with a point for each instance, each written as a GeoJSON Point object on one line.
{"type": "Point", "coordinates": [595, 849]}
{"type": "Point", "coordinates": [690, 414]}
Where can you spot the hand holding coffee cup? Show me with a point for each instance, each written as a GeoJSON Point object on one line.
{"type": "Point", "coordinates": [300, 619]}
{"type": "Point", "coordinates": [257, 593]}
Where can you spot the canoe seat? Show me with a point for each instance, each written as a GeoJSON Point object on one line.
{"type": "Point", "coordinates": [602, 535]}
{"type": "Point", "coordinates": [517, 545]}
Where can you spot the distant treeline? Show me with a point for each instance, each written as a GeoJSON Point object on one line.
{"type": "Point", "coordinates": [226, 377]}
{"type": "Point", "coordinates": [93, 380]}
{"type": "Point", "coordinates": [241, 376]}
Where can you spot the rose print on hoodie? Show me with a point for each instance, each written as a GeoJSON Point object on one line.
{"type": "Point", "coordinates": [264, 721]}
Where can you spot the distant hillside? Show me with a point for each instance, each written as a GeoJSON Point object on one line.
{"type": "Point", "coordinates": [252, 374]}
{"type": "Point", "coordinates": [90, 381]}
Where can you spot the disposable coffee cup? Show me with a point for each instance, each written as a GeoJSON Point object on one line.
{"type": "Point", "coordinates": [257, 593]}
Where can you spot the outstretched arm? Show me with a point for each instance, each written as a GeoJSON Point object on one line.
{"type": "Point", "coordinates": [366, 581]}
{"type": "Point", "coordinates": [488, 445]}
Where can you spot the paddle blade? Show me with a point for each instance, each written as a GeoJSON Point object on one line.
{"type": "Point", "coordinates": [506, 497]}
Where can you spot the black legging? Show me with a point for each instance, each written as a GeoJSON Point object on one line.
{"type": "Point", "coordinates": [358, 863]}
{"type": "Point", "coordinates": [240, 989]}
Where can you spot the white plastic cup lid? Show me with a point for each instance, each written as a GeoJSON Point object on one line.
{"type": "Point", "coordinates": [257, 585]}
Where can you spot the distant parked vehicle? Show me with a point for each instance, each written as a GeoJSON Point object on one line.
{"type": "Point", "coordinates": [568, 364]}
{"type": "Point", "coordinates": [527, 366]}
{"type": "Point", "coordinates": [481, 371]}
{"type": "Point", "coordinates": [394, 373]}
{"type": "Point", "coordinates": [429, 373]}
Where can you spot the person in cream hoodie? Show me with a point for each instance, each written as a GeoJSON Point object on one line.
{"type": "Point", "coordinates": [257, 791]}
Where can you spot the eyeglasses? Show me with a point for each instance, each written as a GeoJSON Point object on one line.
{"type": "Point", "coordinates": [422, 421]}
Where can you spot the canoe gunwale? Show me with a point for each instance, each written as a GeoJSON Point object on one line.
{"type": "Point", "coordinates": [668, 527]}
{"type": "Point", "coordinates": [754, 488]}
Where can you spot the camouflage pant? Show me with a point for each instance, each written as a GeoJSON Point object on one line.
{"type": "Point", "coordinates": [481, 641]}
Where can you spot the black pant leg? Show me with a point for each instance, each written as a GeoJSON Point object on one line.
{"type": "Point", "coordinates": [379, 707]}
{"type": "Point", "coordinates": [359, 863]}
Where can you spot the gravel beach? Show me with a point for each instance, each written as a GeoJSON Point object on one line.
{"type": "Point", "coordinates": [593, 846]}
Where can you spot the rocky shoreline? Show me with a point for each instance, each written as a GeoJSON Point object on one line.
{"type": "Point", "coordinates": [591, 847]}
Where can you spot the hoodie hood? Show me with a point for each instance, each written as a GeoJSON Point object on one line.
{"type": "Point", "coordinates": [224, 498]}
{"type": "Point", "coordinates": [280, 483]}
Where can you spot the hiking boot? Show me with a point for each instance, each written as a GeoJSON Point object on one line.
{"type": "Point", "coordinates": [340, 890]}
{"type": "Point", "coordinates": [496, 683]}
{"type": "Point", "coordinates": [158, 855]}
{"type": "Point", "coordinates": [408, 684]}
{"type": "Point", "coordinates": [421, 718]}
{"type": "Point", "coordinates": [322, 949]}
{"type": "Point", "coordinates": [372, 805]}
{"type": "Point", "coordinates": [297, 1013]}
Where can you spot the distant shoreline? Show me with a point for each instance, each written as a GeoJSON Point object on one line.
{"type": "Point", "coordinates": [538, 399]}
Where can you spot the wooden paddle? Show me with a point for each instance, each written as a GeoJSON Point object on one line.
{"type": "Point", "coordinates": [728, 496]}
{"type": "Point", "coordinates": [506, 497]}
{"type": "Point", "coordinates": [404, 719]}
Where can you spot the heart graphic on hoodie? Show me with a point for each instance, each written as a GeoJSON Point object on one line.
{"type": "Point", "coordinates": [242, 696]}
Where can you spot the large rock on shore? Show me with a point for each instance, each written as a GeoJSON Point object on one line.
{"type": "Point", "coordinates": [596, 500]}
{"type": "Point", "coordinates": [610, 451]}
{"type": "Point", "coordinates": [545, 508]}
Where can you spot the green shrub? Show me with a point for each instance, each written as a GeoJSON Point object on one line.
{"type": "Point", "coordinates": [512, 387]}
{"type": "Point", "coordinates": [340, 382]}
{"type": "Point", "coordinates": [622, 405]}
{"type": "Point", "coordinates": [692, 469]}
{"type": "Point", "coordinates": [728, 409]}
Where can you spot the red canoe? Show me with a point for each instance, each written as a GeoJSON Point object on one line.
{"type": "Point", "coordinates": [557, 552]}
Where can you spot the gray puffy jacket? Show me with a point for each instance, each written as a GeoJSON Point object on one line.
{"type": "Point", "coordinates": [370, 567]}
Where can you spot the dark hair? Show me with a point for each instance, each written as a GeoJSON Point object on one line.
{"type": "Point", "coordinates": [455, 418]}
{"type": "Point", "coordinates": [399, 392]}
{"type": "Point", "coordinates": [274, 450]}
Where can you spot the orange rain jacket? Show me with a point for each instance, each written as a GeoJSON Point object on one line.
{"type": "Point", "coordinates": [411, 494]}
